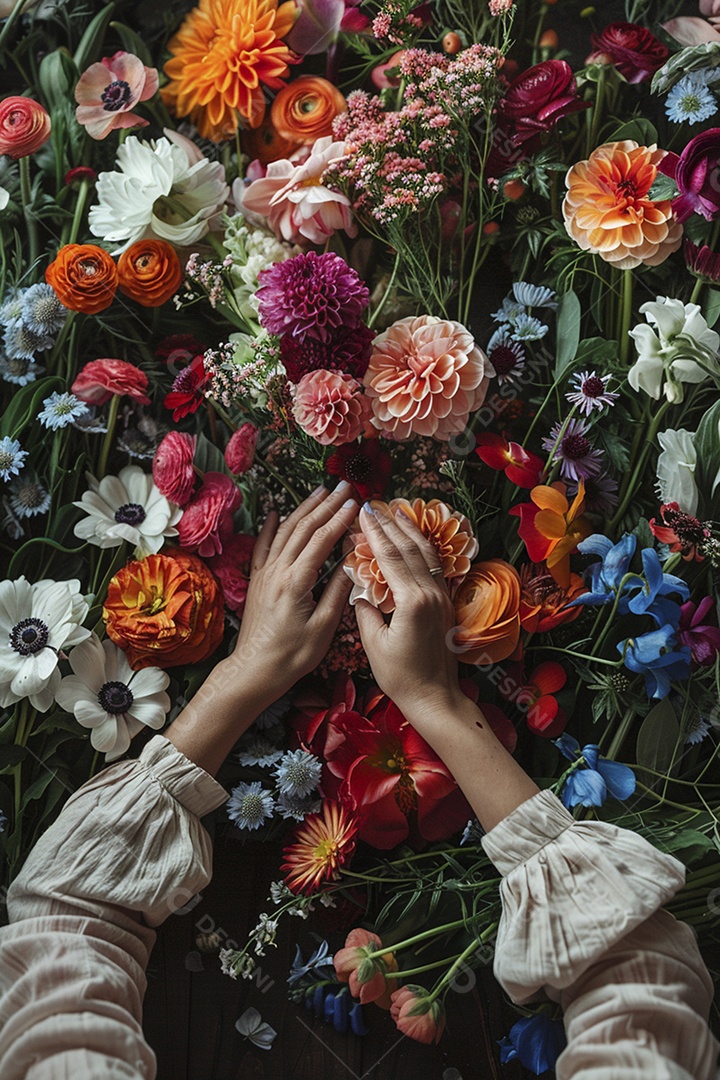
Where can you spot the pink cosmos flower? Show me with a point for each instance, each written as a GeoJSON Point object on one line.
{"type": "Point", "coordinates": [293, 199]}
{"type": "Point", "coordinates": [426, 375]}
{"type": "Point", "coordinates": [107, 92]}
{"type": "Point", "coordinates": [240, 450]}
{"type": "Point", "coordinates": [172, 467]}
{"type": "Point", "coordinates": [330, 407]}
{"type": "Point", "coordinates": [207, 521]}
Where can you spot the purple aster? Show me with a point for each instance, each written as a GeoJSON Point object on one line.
{"type": "Point", "coordinates": [311, 296]}
{"type": "Point", "coordinates": [600, 494]}
{"type": "Point", "coordinates": [572, 448]}
{"type": "Point", "coordinates": [590, 391]}
{"type": "Point", "coordinates": [348, 350]}
{"type": "Point", "coordinates": [505, 355]}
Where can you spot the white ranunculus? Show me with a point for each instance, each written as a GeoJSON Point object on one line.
{"type": "Point", "coordinates": [111, 699]}
{"type": "Point", "coordinates": [676, 469]}
{"type": "Point", "coordinates": [672, 353]}
{"type": "Point", "coordinates": [127, 507]}
{"type": "Point", "coordinates": [36, 622]}
{"type": "Point", "coordinates": [164, 188]}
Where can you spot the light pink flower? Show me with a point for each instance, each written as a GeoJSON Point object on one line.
{"type": "Point", "coordinates": [710, 9]}
{"type": "Point", "coordinates": [688, 30]}
{"type": "Point", "coordinates": [330, 407]}
{"type": "Point", "coordinates": [106, 92]}
{"type": "Point", "coordinates": [293, 199]}
{"type": "Point", "coordinates": [172, 467]}
{"type": "Point", "coordinates": [207, 521]}
{"type": "Point", "coordinates": [426, 375]}
{"type": "Point", "coordinates": [240, 450]}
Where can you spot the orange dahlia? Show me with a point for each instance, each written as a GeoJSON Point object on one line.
{"type": "Point", "coordinates": [223, 55]}
{"type": "Point", "coordinates": [608, 211]}
{"type": "Point", "coordinates": [448, 531]}
{"type": "Point", "coordinates": [321, 845]}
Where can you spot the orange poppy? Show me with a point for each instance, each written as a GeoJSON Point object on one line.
{"type": "Point", "coordinates": [552, 528]}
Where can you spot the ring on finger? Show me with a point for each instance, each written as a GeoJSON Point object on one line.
{"type": "Point", "coordinates": [435, 570]}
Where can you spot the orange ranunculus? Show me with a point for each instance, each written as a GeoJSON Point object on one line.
{"type": "Point", "coordinates": [608, 210]}
{"type": "Point", "coordinates": [84, 277]}
{"type": "Point", "coordinates": [223, 56]}
{"type": "Point", "coordinates": [487, 609]}
{"type": "Point", "coordinates": [149, 272]}
{"type": "Point", "coordinates": [265, 144]}
{"type": "Point", "coordinates": [543, 603]}
{"type": "Point", "coordinates": [304, 111]}
{"type": "Point", "coordinates": [165, 610]}
{"type": "Point", "coordinates": [552, 528]}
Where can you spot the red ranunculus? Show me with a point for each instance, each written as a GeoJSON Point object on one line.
{"type": "Point", "coordinates": [207, 521]}
{"type": "Point", "coordinates": [188, 390]}
{"type": "Point", "coordinates": [520, 466]}
{"type": "Point", "coordinates": [537, 99]}
{"type": "Point", "coordinates": [632, 49]}
{"type": "Point", "coordinates": [232, 569]}
{"type": "Point", "coordinates": [99, 380]}
{"type": "Point", "coordinates": [240, 450]}
{"type": "Point", "coordinates": [172, 468]}
{"type": "Point", "coordinates": [697, 175]}
{"type": "Point", "coordinates": [24, 126]}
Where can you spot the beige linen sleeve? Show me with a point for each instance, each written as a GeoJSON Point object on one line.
{"type": "Point", "coordinates": [582, 923]}
{"type": "Point", "coordinates": [127, 850]}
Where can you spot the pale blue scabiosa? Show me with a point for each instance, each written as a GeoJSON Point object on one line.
{"type": "Point", "coordinates": [531, 296]}
{"type": "Point", "coordinates": [250, 805]}
{"type": "Point", "coordinates": [21, 343]}
{"type": "Point", "coordinates": [569, 445]}
{"type": "Point", "coordinates": [28, 497]}
{"type": "Point", "coordinates": [657, 656]}
{"type": "Point", "coordinates": [690, 101]}
{"type": "Point", "coordinates": [505, 355]}
{"type": "Point", "coordinates": [127, 507]}
{"type": "Point", "coordinates": [509, 311]}
{"type": "Point", "coordinates": [19, 372]}
{"type": "Point", "coordinates": [60, 410]}
{"type": "Point", "coordinates": [41, 310]}
{"type": "Point", "coordinates": [11, 307]}
{"type": "Point", "coordinates": [527, 328]}
{"type": "Point", "coordinates": [595, 777]}
{"type": "Point", "coordinates": [536, 1042]}
{"type": "Point", "coordinates": [589, 391]}
{"type": "Point", "coordinates": [12, 457]}
{"type": "Point", "coordinates": [697, 730]}
{"type": "Point", "coordinates": [298, 773]}
{"type": "Point", "coordinates": [259, 750]}
{"type": "Point", "coordinates": [296, 807]}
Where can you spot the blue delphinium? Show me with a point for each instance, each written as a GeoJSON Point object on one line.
{"type": "Point", "coordinates": [649, 597]}
{"type": "Point", "coordinates": [314, 983]}
{"type": "Point", "coordinates": [320, 965]}
{"type": "Point", "coordinates": [595, 777]}
{"type": "Point", "coordinates": [536, 1042]}
{"type": "Point", "coordinates": [604, 578]}
{"type": "Point", "coordinates": [658, 657]}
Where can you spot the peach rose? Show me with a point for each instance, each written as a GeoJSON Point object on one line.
{"type": "Point", "coordinates": [426, 375]}
{"type": "Point", "coordinates": [330, 407]}
{"type": "Point", "coordinates": [487, 606]}
{"type": "Point", "coordinates": [304, 111]}
{"type": "Point", "coordinates": [448, 530]}
{"type": "Point", "coordinates": [149, 271]}
{"type": "Point", "coordinates": [24, 126]}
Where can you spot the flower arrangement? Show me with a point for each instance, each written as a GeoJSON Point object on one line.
{"type": "Point", "coordinates": [444, 272]}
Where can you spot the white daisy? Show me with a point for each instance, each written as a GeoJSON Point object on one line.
{"type": "Point", "coordinates": [127, 507]}
{"type": "Point", "coordinates": [163, 188]}
{"type": "Point", "coordinates": [111, 699]}
{"type": "Point", "coordinates": [36, 622]}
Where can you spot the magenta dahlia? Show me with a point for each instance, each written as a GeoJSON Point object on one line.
{"type": "Point", "coordinates": [311, 296]}
{"type": "Point", "coordinates": [347, 350]}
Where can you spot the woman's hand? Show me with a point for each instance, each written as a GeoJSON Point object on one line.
{"type": "Point", "coordinates": [410, 657]}
{"type": "Point", "coordinates": [284, 632]}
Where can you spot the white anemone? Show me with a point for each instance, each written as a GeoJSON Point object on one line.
{"type": "Point", "coordinates": [36, 622]}
{"type": "Point", "coordinates": [111, 699]}
{"type": "Point", "coordinates": [164, 188]}
{"type": "Point", "coordinates": [127, 507]}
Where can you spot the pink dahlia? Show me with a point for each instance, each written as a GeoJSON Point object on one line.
{"type": "Point", "coordinates": [311, 296]}
{"type": "Point", "coordinates": [426, 375]}
{"type": "Point", "coordinates": [330, 407]}
{"type": "Point", "coordinates": [172, 467]}
{"type": "Point", "coordinates": [294, 200]}
{"type": "Point", "coordinates": [207, 521]}
{"type": "Point", "coordinates": [347, 350]}
{"type": "Point", "coordinates": [107, 92]}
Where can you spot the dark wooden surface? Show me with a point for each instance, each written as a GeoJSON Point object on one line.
{"type": "Point", "coordinates": [191, 1008]}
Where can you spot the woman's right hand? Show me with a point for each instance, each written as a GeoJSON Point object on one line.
{"type": "Point", "coordinates": [410, 658]}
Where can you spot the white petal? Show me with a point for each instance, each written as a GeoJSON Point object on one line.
{"type": "Point", "coordinates": [88, 662]}
{"type": "Point", "coordinates": [72, 690]}
{"type": "Point", "coordinates": [147, 681]}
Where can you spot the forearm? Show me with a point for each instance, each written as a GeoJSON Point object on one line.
{"type": "Point", "coordinates": [491, 780]}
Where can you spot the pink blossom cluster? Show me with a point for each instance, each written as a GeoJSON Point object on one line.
{"type": "Point", "coordinates": [398, 21]}
{"type": "Point", "coordinates": [499, 7]}
{"type": "Point", "coordinates": [208, 275]}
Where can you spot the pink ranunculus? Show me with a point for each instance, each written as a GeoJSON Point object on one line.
{"type": "Point", "coordinates": [688, 30]}
{"type": "Point", "coordinates": [537, 99]}
{"type": "Point", "coordinates": [207, 521]}
{"type": "Point", "coordinates": [24, 126]}
{"type": "Point", "coordinates": [172, 467]}
{"type": "Point", "coordinates": [294, 200]}
{"type": "Point", "coordinates": [425, 376]}
{"type": "Point", "coordinates": [232, 569]}
{"type": "Point", "coordinates": [240, 450]}
{"type": "Point", "coordinates": [697, 175]}
{"type": "Point", "coordinates": [107, 92]}
{"type": "Point", "coordinates": [99, 380]}
{"type": "Point", "coordinates": [331, 407]}
{"type": "Point", "coordinates": [633, 50]}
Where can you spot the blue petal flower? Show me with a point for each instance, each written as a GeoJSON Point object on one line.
{"type": "Point", "coordinates": [603, 578]}
{"type": "Point", "coordinates": [655, 656]}
{"type": "Point", "coordinates": [357, 1020]}
{"type": "Point", "coordinates": [568, 747]}
{"type": "Point", "coordinates": [536, 1041]}
{"type": "Point", "coordinates": [584, 787]}
{"type": "Point", "coordinates": [619, 778]}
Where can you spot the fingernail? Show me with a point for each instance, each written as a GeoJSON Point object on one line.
{"type": "Point", "coordinates": [368, 509]}
{"type": "Point", "coordinates": [348, 503]}
{"type": "Point", "coordinates": [342, 486]}
{"type": "Point", "coordinates": [401, 513]}
{"type": "Point", "coordinates": [318, 490]}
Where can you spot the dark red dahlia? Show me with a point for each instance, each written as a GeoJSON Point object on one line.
{"type": "Point", "coordinates": [188, 389]}
{"type": "Point", "coordinates": [364, 464]}
{"type": "Point", "coordinates": [348, 350]}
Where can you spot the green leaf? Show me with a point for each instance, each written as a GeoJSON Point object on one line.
{"type": "Point", "coordinates": [711, 306]}
{"type": "Point", "coordinates": [38, 786]}
{"type": "Point", "coordinates": [133, 43]}
{"type": "Point", "coordinates": [90, 47]}
{"type": "Point", "coordinates": [10, 756]}
{"type": "Point", "coordinates": [596, 352]}
{"type": "Point", "coordinates": [705, 56]}
{"type": "Point", "coordinates": [658, 738]}
{"type": "Point", "coordinates": [664, 187]}
{"type": "Point", "coordinates": [57, 76]}
{"type": "Point", "coordinates": [639, 129]}
{"type": "Point", "coordinates": [707, 470]}
{"type": "Point", "coordinates": [690, 844]}
{"type": "Point", "coordinates": [208, 458]}
{"type": "Point", "coordinates": [568, 331]}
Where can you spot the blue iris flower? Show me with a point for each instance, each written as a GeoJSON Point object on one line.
{"type": "Point", "coordinates": [321, 958]}
{"type": "Point", "coordinates": [536, 1041]}
{"type": "Point", "coordinates": [657, 656]}
{"type": "Point", "coordinates": [650, 597]}
{"type": "Point", "coordinates": [603, 578]}
{"type": "Point", "coordinates": [591, 784]}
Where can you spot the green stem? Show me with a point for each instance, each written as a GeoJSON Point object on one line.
{"type": "Point", "coordinates": [12, 19]}
{"type": "Point", "coordinates": [697, 289]}
{"type": "Point", "coordinates": [30, 218]}
{"type": "Point", "coordinates": [472, 947]}
{"type": "Point", "coordinates": [620, 734]}
{"type": "Point", "coordinates": [107, 441]}
{"type": "Point", "coordinates": [627, 302]}
{"type": "Point", "coordinates": [79, 209]}
{"type": "Point", "coordinates": [434, 932]}
{"type": "Point", "coordinates": [386, 294]}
